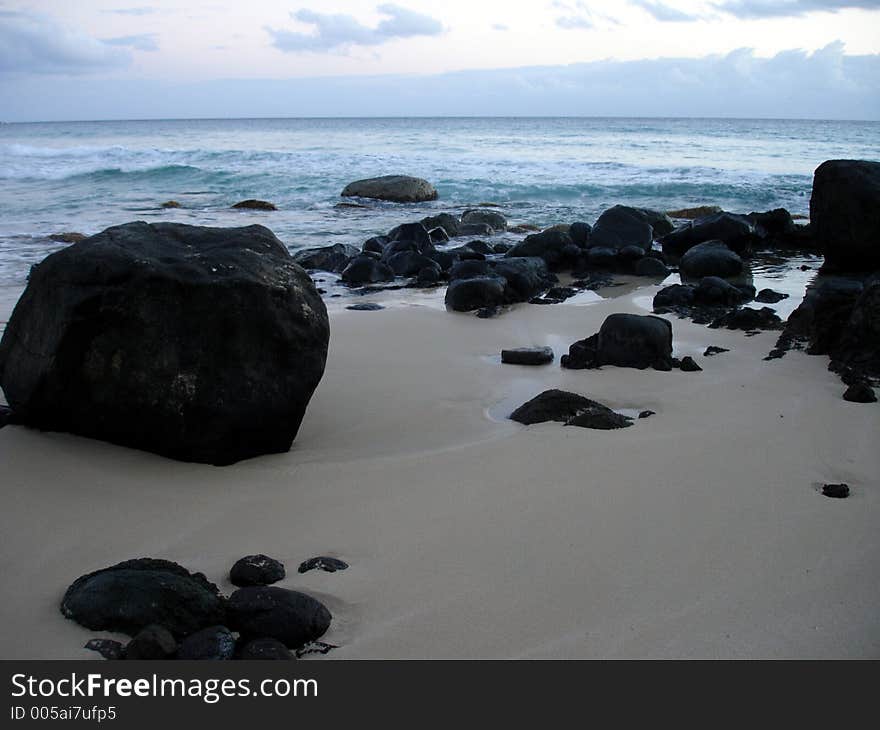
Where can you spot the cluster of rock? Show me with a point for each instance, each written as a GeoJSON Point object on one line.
{"type": "Point", "coordinates": [171, 613]}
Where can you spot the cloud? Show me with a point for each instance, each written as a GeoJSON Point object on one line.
{"type": "Point", "coordinates": [664, 13]}
{"type": "Point", "coordinates": [574, 22]}
{"type": "Point", "coordinates": [35, 43]}
{"type": "Point", "coordinates": [132, 11]}
{"type": "Point", "coordinates": [750, 9]}
{"type": "Point", "coordinates": [337, 31]}
{"type": "Point", "coordinates": [143, 42]}
{"type": "Point", "coordinates": [500, 27]}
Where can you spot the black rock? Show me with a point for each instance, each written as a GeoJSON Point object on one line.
{"type": "Point", "coordinates": [777, 223]}
{"type": "Point", "coordinates": [602, 419]}
{"type": "Point", "coordinates": [768, 296]}
{"type": "Point", "coordinates": [713, 290]}
{"type": "Point", "coordinates": [214, 337]}
{"type": "Point", "coordinates": [553, 246]}
{"type": "Point", "coordinates": [330, 565]}
{"type": "Point", "coordinates": [480, 247]}
{"type": "Point", "coordinates": [649, 266]}
{"type": "Point", "coordinates": [845, 214]}
{"type": "Point", "coordinates": [622, 226]}
{"type": "Point", "coordinates": [255, 205]}
{"type": "Point", "coordinates": [501, 248]}
{"type": "Point", "coordinates": [289, 616]}
{"type": "Point", "coordinates": [713, 350]}
{"type": "Point", "coordinates": [466, 295]}
{"type": "Point", "coordinates": [860, 393]}
{"type": "Point", "coordinates": [314, 647]}
{"type": "Point", "coordinates": [559, 405]}
{"type": "Point", "coordinates": [527, 356]}
{"type": "Point", "coordinates": [469, 270]}
{"type": "Point", "coordinates": [366, 270]}
{"type": "Point", "coordinates": [488, 312]}
{"type": "Point", "coordinates": [263, 649]}
{"type": "Point", "coordinates": [647, 414]}
{"type": "Point", "coordinates": [449, 223]}
{"type": "Point", "coordinates": [736, 231]}
{"type": "Point", "coordinates": [6, 416]}
{"type": "Point", "coordinates": [475, 229]}
{"type": "Point", "coordinates": [712, 258]}
{"type": "Point", "coordinates": [428, 276]}
{"type": "Point", "coordinates": [836, 491]}
{"type": "Point", "coordinates": [491, 218]}
{"type": "Point", "coordinates": [674, 295]}
{"type": "Point", "coordinates": [376, 244]}
{"type": "Point", "coordinates": [689, 365]}
{"type": "Point", "coordinates": [107, 648]}
{"type": "Point", "coordinates": [215, 643]}
{"type": "Point", "coordinates": [525, 277]}
{"type": "Point", "coordinates": [256, 570]}
{"type": "Point", "coordinates": [463, 253]}
{"type": "Point", "coordinates": [365, 307]}
{"type": "Point", "coordinates": [329, 258]}
{"type": "Point", "coordinates": [438, 235]}
{"type": "Point", "coordinates": [151, 642]}
{"type": "Point", "coordinates": [443, 259]}
{"type": "Point", "coordinates": [748, 320]}
{"type": "Point", "coordinates": [579, 233]}
{"type": "Point", "coordinates": [625, 340]}
{"type": "Point", "coordinates": [136, 593]}
{"type": "Point", "coordinates": [409, 263]}
{"type": "Point", "coordinates": [395, 188]}
{"type": "Point", "coordinates": [414, 233]}
{"type": "Point", "coordinates": [601, 257]}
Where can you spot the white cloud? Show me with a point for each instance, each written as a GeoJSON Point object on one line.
{"type": "Point", "coordinates": [142, 42]}
{"type": "Point", "coordinates": [750, 9]}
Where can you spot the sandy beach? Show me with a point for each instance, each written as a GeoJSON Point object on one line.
{"type": "Point", "coordinates": [700, 532]}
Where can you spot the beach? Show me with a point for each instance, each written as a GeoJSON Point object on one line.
{"type": "Point", "coordinates": [700, 532]}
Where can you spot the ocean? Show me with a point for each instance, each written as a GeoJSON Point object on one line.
{"type": "Point", "coordinates": [86, 176]}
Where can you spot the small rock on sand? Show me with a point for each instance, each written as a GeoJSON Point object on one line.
{"type": "Point", "coordinates": [527, 356]}
{"type": "Point", "coordinates": [836, 491]}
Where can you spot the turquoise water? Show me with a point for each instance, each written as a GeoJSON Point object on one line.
{"type": "Point", "coordinates": [85, 176]}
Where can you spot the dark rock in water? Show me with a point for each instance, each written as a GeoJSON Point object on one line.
{"type": "Point", "coordinates": [501, 248]}
{"type": "Point", "coordinates": [712, 258]}
{"type": "Point", "coordinates": [329, 565]}
{"type": "Point", "coordinates": [256, 570]}
{"type": "Point", "coordinates": [481, 247]}
{"type": "Point", "coordinates": [491, 218]}
{"type": "Point", "coordinates": [215, 643]}
{"type": "Point", "coordinates": [768, 296]}
{"type": "Point", "coordinates": [394, 188]}
{"type": "Point", "coordinates": [689, 365]}
{"type": "Point", "coordinates": [414, 233]}
{"type": "Point", "coordinates": [580, 233]}
{"type": "Point", "coordinates": [552, 246]}
{"type": "Point", "coordinates": [214, 337]}
{"type": "Point", "coordinates": [466, 295]}
{"type": "Point", "coordinates": [107, 648]}
{"type": "Point", "coordinates": [647, 414]}
{"type": "Point", "coordinates": [409, 263]}
{"type": "Point", "coordinates": [622, 226]}
{"type": "Point", "coordinates": [556, 405]}
{"type": "Point", "coordinates": [438, 235]}
{"type": "Point", "coordinates": [152, 642]}
{"type": "Point", "coordinates": [365, 307]}
{"type": "Point", "coordinates": [736, 231]}
{"type": "Point", "coordinates": [446, 221]}
{"type": "Point", "coordinates": [254, 205]}
{"type": "Point", "coordinates": [700, 211]}
{"type": "Point", "coordinates": [136, 593]}
{"type": "Point", "coordinates": [836, 491]}
{"type": "Point", "coordinates": [748, 320]}
{"type": "Point", "coordinates": [713, 290]}
{"type": "Point", "coordinates": [289, 616]}
{"type": "Point", "coordinates": [264, 649]}
{"type": "Point", "coordinates": [463, 253]}
{"type": "Point", "coordinates": [713, 350]}
{"type": "Point", "coordinates": [527, 356]}
{"type": "Point", "coordinates": [475, 229]}
{"type": "Point", "coordinates": [365, 270]}
{"type": "Point", "coordinates": [845, 214]}
{"type": "Point", "coordinates": [555, 295]}
{"type": "Point", "coordinates": [602, 419]}
{"type": "Point", "coordinates": [625, 340]}
{"type": "Point", "coordinates": [346, 206]}
{"type": "Point", "coordinates": [329, 258]}
{"type": "Point", "coordinates": [674, 295]}
{"type": "Point", "coordinates": [777, 223]}
{"type": "Point", "coordinates": [860, 393]}
{"type": "Point", "coordinates": [171, 204]}
{"type": "Point", "coordinates": [68, 237]}
{"type": "Point", "coordinates": [376, 244]}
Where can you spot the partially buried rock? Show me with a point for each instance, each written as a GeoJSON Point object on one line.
{"type": "Point", "coordinates": [836, 491]}
{"type": "Point", "coordinates": [289, 616]}
{"type": "Point", "coordinates": [768, 296]}
{"type": "Point", "coordinates": [466, 295]}
{"type": "Point", "coordinates": [647, 414]}
{"type": "Point", "coordinates": [860, 393]}
{"type": "Point", "coordinates": [264, 649]}
{"type": "Point", "coordinates": [254, 205]}
{"type": "Point", "coordinates": [365, 270]}
{"type": "Point", "coordinates": [152, 642]}
{"type": "Point", "coordinates": [107, 648]}
{"type": "Point", "coordinates": [215, 643]}
{"type": "Point", "coordinates": [713, 350]}
{"type": "Point", "coordinates": [214, 337]}
{"type": "Point", "coordinates": [689, 365]}
{"type": "Point", "coordinates": [256, 570]}
{"type": "Point", "coordinates": [136, 593]}
{"type": "Point", "coordinates": [327, 564]}
{"type": "Point", "coordinates": [625, 340]}
{"type": "Point", "coordinates": [365, 307]}
{"type": "Point", "coordinates": [712, 258]}
{"type": "Point", "coordinates": [749, 320]}
{"type": "Point", "coordinates": [394, 188]}
{"type": "Point", "coordinates": [527, 356]}
{"type": "Point", "coordinates": [568, 408]}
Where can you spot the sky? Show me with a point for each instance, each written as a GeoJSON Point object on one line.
{"type": "Point", "coordinates": [125, 59]}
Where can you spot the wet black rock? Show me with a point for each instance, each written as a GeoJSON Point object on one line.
{"type": "Point", "coordinates": [107, 648]}
{"type": "Point", "coordinates": [365, 307]}
{"type": "Point", "coordinates": [446, 221]}
{"type": "Point", "coordinates": [736, 231]}
{"type": "Point", "coordinates": [749, 320]}
{"type": "Point", "coordinates": [215, 643]}
{"type": "Point", "coordinates": [136, 593]}
{"type": "Point", "coordinates": [263, 649]}
{"type": "Point", "coordinates": [554, 246]}
{"type": "Point", "coordinates": [153, 642]}
{"type": "Point", "coordinates": [602, 419]}
{"type": "Point", "coordinates": [314, 647]}
{"type": "Point", "coordinates": [328, 258]}
{"type": "Point", "coordinates": [580, 233]}
{"type": "Point", "coordinates": [428, 276]}
{"type": "Point", "coordinates": [526, 277]}
{"type": "Point", "coordinates": [323, 562]}
{"type": "Point", "coordinates": [256, 570]}
{"type": "Point", "coordinates": [376, 244]}
{"type": "Point", "coordinates": [438, 235]}
{"type": "Point", "coordinates": [169, 322]}
{"type": "Point", "coordinates": [366, 270]}
{"type": "Point", "coordinates": [768, 296]}
{"type": "Point", "coordinates": [414, 233]}
{"type": "Point", "coordinates": [713, 290]}
{"type": "Point", "coordinates": [647, 414]}
{"type": "Point", "coordinates": [836, 491]}
{"type": "Point", "coordinates": [674, 295]}
{"type": "Point", "coordinates": [491, 218]}
{"type": "Point", "coordinates": [712, 258]}
{"type": "Point", "coordinates": [622, 226]}
{"type": "Point", "coordinates": [564, 407]}
{"type": "Point", "coordinates": [255, 205]}
{"type": "Point", "coordinates": [409, 263]}
{"type": "Point", "coordinates": [289, 616]}
{"type": "Point", "coordinates": [713, 350]}
{"type": "Point", "coordinates": [860, 393]}
{"type": "Point", "coordinates": [651, 267]}
{"type": "Point", "coordinates": [689, 365]}
{"type": "Point", "coordinates": [625, 340]}
{"type": "Point", "coordinates": [527, 356]}
{"type": "Point", "coordinates": [466, 295]}
{"type": "Point", "coordinates": [394, 188]}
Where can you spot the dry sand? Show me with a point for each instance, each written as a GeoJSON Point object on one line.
{"type": "Point", "coordinates": [698, 532]}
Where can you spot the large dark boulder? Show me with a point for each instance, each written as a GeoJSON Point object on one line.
{"type": "Point", "coordinates": [526, 277]}
{"type": "Point", "coordinates": [256, 570]}
{"type": "Point", "coordinates": [291, 617]}
{"type": "Point", "coordinates": [137, 593]}
{"type": "Point", "coordinates": [568, 408]}
{"type": "Point", "coordinates": [622, 226]}
{"type": "Point", "coordinates": [625, 340]}
{"type": "Point", "coordinates": [201, 344]}
{"type": "Point", "coordinates": [366, 270]}
{"type": "Point", "coordinates": [328, 258]}
{"type": "Point", "coordinates": [712, 258]}
{"type": "Point", "coordinates": [412, 232]}
{"type": "Point", "coordinates": [394, 188]}
{"type": "Point", "coordinates": [409, 263]}
{"type": "Point", "coordinates": [466, 295]}
{"type": "Point", "coordinates": [736, 231]}
{"type": "Point", "coordinates": [845, 214]}
{"type": "Point", "coordinates": [446, 221]}
{"type": "Point", "coordinates": [492, 218]}
{"type": "Point", "coordinates": [552, 245]}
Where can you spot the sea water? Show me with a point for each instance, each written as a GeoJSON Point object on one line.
{"type": "Point", "coordinates": [87, 176]}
